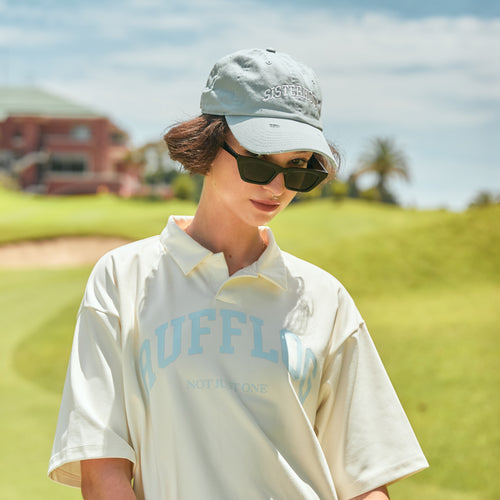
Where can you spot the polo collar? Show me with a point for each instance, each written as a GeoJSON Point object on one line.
{"type": "Point", "coordinates": [188, 254]}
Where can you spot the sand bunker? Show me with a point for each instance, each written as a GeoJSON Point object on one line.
{"type": "Point", "coordinates": [56, 252]}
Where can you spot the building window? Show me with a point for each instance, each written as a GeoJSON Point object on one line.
{"type": "Point", "coordinates": [118, 138]}
{"type": "Point", "coordinates": [67, 164]}
{"type": "Point", "coordinates": [18, 138]}
{"type": "Point", "coordinates": [81, 133]}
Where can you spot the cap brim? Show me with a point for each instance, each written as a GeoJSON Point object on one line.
{"type": "Point", "coordinates": [264, 135]}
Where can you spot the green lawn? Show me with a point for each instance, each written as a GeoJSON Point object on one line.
{"type": "Point", "coordinates": [426, 282]}
{"type": "Point", "coordinates": [35, 217]}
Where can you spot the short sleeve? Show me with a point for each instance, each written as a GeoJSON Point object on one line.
{"type": "Point", "coordinates": [92, 420]}
{"type": "Point", "coordinates": [362, 427]}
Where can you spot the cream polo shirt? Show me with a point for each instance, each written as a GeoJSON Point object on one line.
{"type": "Point", "coordinates": [262, 385]}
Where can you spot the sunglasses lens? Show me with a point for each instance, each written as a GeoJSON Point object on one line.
{"type": "Point", "coordinates": [255, 170]}
{"type": "Point", "coordinates": [301, 181]}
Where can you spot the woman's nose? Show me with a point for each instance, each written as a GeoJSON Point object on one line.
{"type": "Point", "coordinates": [277, 185]}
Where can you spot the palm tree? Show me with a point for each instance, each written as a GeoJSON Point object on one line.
{"type": "Point", "coordinates": [386, 161]}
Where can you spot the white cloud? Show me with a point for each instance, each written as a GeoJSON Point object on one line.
{"type": "Point", "coordinates": [14, 37]}
{"type": "Point", "coordinates": [372, 68]}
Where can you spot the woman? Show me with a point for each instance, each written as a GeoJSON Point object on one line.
{"type": "Point", "coordinates": [209, 364]}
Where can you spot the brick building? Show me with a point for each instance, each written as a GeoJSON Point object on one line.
{"type": "Point", "coordinates": [55, 146]}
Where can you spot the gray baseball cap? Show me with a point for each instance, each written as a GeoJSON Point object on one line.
{"type": "Point", "coordinates": [271, 102]}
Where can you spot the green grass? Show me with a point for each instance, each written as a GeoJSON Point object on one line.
{"type": "Point", "coordinates": [441, 350]}
{"type": "Point", "coordinates": [427, 284]}
{"type": "Point", "coordinates": [377, 249]}
{"type": "Point", "coordinates": [28, 300]}
{"type": "Point", "coordinates": [36, 217]}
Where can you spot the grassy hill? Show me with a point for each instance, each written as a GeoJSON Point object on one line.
{"type": "Point", "coordinates": [384, 249]}
{"type": "Point", "coordinates": [35, 217]}
{"type": "Point", "coordinates": [426, 282]}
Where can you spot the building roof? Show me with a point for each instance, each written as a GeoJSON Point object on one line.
{"type": "Point", "coordinates": [36, 102]}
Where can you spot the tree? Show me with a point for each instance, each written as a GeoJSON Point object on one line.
{"type": "Point", "coordinates": [184, 187]}
{"type": "Point", "coordinates": [386, 161]}
{"type": "Point", "coordinates": [484, 199]}
{"type": "Point", "coordinates": [352, 188]}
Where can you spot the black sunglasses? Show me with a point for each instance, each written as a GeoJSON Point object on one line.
{"type": "Point", "coordinates": [258, 171]}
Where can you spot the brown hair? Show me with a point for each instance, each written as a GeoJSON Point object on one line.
{"type": "Point", "coordinates": [195, 144]}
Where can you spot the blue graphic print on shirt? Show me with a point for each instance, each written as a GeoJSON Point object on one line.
{"type": "Point", "coordinates": [300, 361]}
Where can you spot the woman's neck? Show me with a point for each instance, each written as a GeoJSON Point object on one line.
{"type": "Point", "coordinates": [241, 245]}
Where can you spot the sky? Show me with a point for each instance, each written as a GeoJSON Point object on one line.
{"type": "Point", "coordinates": [423, 74]}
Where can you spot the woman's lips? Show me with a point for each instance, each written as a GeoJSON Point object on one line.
{"type": "Point", "coordinates": [265, 205]}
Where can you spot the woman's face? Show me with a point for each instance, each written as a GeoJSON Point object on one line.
{"type": "Point", "coordinates": [250, 204]}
